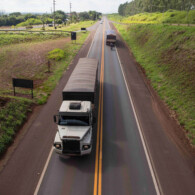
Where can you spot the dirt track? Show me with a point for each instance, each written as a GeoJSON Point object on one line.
{"type": "Point", "coordinates": [26, 60]}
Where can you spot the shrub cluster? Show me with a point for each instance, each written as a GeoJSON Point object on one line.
{"type": "Point", "coordinates": [56, 54]}
{"type": "Point", "coordinates": [12, 116]}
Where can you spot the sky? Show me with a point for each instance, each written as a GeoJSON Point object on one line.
{"type": "Point", "coordinates": [43, 6]}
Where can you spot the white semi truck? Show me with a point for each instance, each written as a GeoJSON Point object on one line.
{"type": "Point", "coordinates": [75, 118]}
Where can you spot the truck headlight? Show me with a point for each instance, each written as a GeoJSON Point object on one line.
{"type": "Point", "coordinates": [86, 147]}
{"type": "Point", "coordinates": [57, 146]}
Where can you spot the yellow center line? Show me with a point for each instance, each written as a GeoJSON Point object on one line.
{"type": "Point", "coordinates": [98, 160]}
{"type": "Point", "coordinates": [101, 127]}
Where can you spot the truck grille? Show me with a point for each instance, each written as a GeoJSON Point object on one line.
{"type": "Point", "coordinates": [71, 146]}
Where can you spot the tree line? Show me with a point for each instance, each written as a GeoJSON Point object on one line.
{"type": "Point", "coordinates": [16, 18]}
{"type": "Point", "coordinates": [139, 6]}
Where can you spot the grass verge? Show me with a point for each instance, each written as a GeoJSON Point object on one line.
{"type": "Point", "coordinates": [13, 110]}
{"type": "Point", "coordinates": [12, 115]}
{"type": "Point", "coordinates": [59, 67]}
{"type": "Point", "coordinates": [169, 17]}
{"type": "Point", "coordinates": [167, 53]}
{"type": "Point", "coordinates": [22, 37]}
{"type": "Point", "coordinates": [12, 38]}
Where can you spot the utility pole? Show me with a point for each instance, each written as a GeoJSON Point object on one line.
{"type": "Point", "coordinates": [54, 2]}
{"type": "Point", "coordinates": [70, 12]}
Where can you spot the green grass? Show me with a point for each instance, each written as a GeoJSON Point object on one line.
{"type": "Point", "coordinates": [56, 54]}
{"type": "Point", "coordinates": [70, 51]}
{"type": "Point", "coordinates": [169, 17]}
{"type": "Point", "coordinates": [22, 37]}
{"type": "Point", "coordinates": [167, 53]}
{"type": "Point", "coordinates": [78, 26]}
{"type": "Point", "coordinates": [14, 113]}
{"type": "Point", "coordinates": [30, 21]}
{"type": "Point", "coordinates": [69, 27]}
{"type": "Point", "coordinates": [12, 116]}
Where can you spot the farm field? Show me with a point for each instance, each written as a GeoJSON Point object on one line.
{"type": "Point", "coordinates": [26, 56]}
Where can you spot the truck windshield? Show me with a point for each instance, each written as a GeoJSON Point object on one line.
{"type": "Point", "coordinates": [111, 37]}
{"type": "Point", "coordinates": [74, 120]}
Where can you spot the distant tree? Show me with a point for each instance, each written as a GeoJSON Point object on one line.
{"type": "Point", "coordinates": [28, 16]}
{"type": "Point", "coordinates": [92, 15]}
{"type": "Point", "coordinates": [11, 21]}
{"type": "Point", "coordinates": [74, 17]}
{"type": "Point", "coordinates": [60, 16]}
{"type": "Point", "coordinates": [137, 6]}
{"type": "Point", "coordinates": [84, 16]}
{"type": "Point", "coordinates": [2, 21]}
{"type": "Point", "coordinates": [15, 14]}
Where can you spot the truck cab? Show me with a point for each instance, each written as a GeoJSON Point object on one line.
{"type": "Point", "coordinates": [110, 37]}
{"type": "Point", "coordinates": [75, 118]}
{"type": "Point", "coordinates": [74, 123]}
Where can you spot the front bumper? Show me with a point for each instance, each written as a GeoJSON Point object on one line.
{"type": "Point", "coordinates": [81, 153]}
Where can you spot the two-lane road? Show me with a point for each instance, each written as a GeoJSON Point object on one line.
{"type": "Point", "coordinates": [132, 152]}
{"type": "Point", "coordinates": [123, 168]}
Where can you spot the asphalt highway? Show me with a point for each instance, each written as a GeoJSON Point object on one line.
{"type": "Point", "coordinates": [125, 168]}
{"type": "Point", "coordinates": [76, 173]}
{"type": "Point", "coordinates": [132, 151]}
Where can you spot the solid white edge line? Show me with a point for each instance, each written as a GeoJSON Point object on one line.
{"type": "Point", "coordinates": [140, 132]}
{"type": "Point", "coordinates": [156, 184]}
{"type": "Point", "coordinates": [43, 172]}
{"type": "Point", "coordinates": [92, 42]}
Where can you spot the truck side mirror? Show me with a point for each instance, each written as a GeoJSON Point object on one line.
{"type": "Point", "coordinates": [55, 119]}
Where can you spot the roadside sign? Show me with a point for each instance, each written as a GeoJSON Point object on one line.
{"type": "Point", "coordinates": [73, 36]}
{"type": "Point", "coordinates": [24, 83]}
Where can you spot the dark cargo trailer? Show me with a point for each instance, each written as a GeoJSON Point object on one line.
{"type": "Point", "coordinates": [82, 82]}
{"type": "Point", "coordinates": [110, 37]}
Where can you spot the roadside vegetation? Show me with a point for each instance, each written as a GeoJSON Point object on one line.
{"type": "Point", "coordinates": [18, 19]}
{"type": "Point", "coordinates": [77, 26]}
{"type": "Point", "coordinates": [167, 54]}
{"type": "Point", "coordinates": [40, 57]}
{"type": "Point", "coordinates": [12, 38]}
{"type": "Point", "coordinates": [7, 38]}
{"type": "Point", "coordinates": [13, 112]}
{"type": "Point", "coordinates": [140, 6]}
{"type": "Point", "coordinates": [168, 17]}
{"type": "Point", "coordinates": [60, 61]}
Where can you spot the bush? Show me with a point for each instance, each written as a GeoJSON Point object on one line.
{"type": "Point", "coordinates": [11, 117]}
{"type": "Point", "coordinates": [56, 54]}
{"type": "Point", "coordinates": [30, 21]}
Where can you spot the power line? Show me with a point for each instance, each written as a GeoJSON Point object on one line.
{"type": "Point", "coordinates": [70, 12]}
{"type": "Point", "coordinates": [54, 2]}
